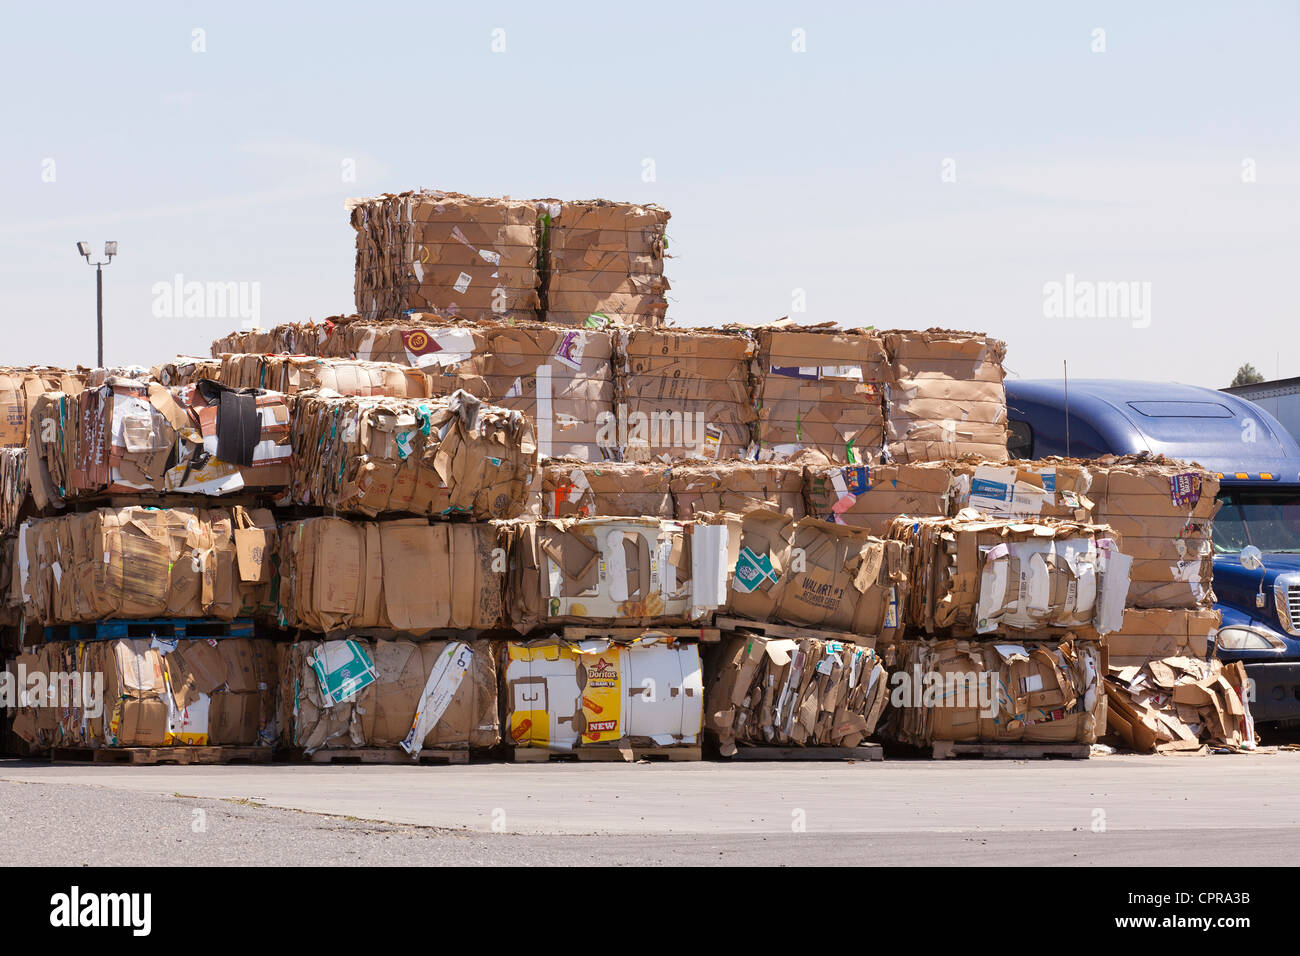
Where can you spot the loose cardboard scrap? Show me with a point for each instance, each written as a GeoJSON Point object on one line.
{"type": "Point", "coordinates": [872, 496]}
{"type": "Point", "coordinates": [975, 575]}
{"type": "Point", "coordinates": [406, 576]}
{"type": "Point", "coordinates": [783, 692]}
{"type": "Point", "coordinates": [604, 263]}
{"type": "Point", "coordinates": [1180, 703]}
{"type": "Point", "coordinates": [821, 388]}
{"type": "Point", "coordinates": [1036, 691]}
{"type": "Point", "coordinates": [342, 694]}
{"type": "Point", "coordinates": [446, 252]}
{"type": "Point", "coordinates": [946, 397]}
{"type": "Point", "coordinates": [574, 488]}
{"type": "Point", "coordinates": [809, 573]}
{"type": "Point", "coordinates": [736, 486]}
{"type": "Point", "coordinates": [442, 457]}
{"type": "Point", "coordinates": [563, 696]}
{"type": "Point", "coordinates": [615, 571]}
{"type": "Point", "coordinates": [138, 563]}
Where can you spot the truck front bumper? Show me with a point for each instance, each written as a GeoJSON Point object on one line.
{"type": "Point", "coordinates": [1277, 690]}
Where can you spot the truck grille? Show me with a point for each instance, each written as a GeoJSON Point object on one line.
{"type": "Point", "coordinates": [1287, 600]}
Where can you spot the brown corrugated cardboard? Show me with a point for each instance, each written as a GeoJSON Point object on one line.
{"type": "Point", "coordinates": [19, 390]}
{"type": "Point", "coordinates": [819, 388]}
{"type": "Point", "coordinates": [1033, 691]}
{"type": "Point", "coordinates": [573, 488]}
{"type": "Point", "coordinates": [445, 252]}
{"type": "Point", "coordinates": [441, 457]}
{"type": "Point", "coordinates": [293, 338]}
{"type": "Point", "coordinates": [604, 263]}
{"type": "Point", "coordinates": [1162, 632]}
{"type": "Point", "coordinates": [946, 397]}
{"type": "Point", "coordinates": [14, 488]}
{"type": "Point", "coordinates": [185, 370]}
{"type": "Point", "coordinates": [736, 486]}
{"type": "Point", "coordinates": [404, 576]}
{"type": "Point", "coordinates": [1179, 704]}
{"type": "Point", "coordinates": [1051, 488]}
{"type": "Point", "coordinates": [805, 693]}
{"type": "Point", "coordinates": [872, 496]}
{"type": "Point", "coordinates": [292, 374]}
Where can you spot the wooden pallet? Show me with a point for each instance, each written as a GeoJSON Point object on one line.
{"type": "Point", "coordinates": [705, 635]}
{"type": "Point", "coordinates": [148, 756]}
{"type": "Point", "coordinates": [870, 752]}
{"type": "Point", "coordinates": [787, 631]}
{"type": "Point", "coordinates": [943, 749]}
{"type": "Point", "coordinates": [387, 755]}
{"type": "Point", "coordinates": [603, 754]}
{"type": "Point", "coordinates": [175, 628]}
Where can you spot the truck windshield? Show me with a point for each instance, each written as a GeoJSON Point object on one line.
{"type": "Point", "coordinates": [1269, 520]}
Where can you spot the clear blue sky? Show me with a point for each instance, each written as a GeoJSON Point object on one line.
{"type": "Point", "coordinates": [818, 171]}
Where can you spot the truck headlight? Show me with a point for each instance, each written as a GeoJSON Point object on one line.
{"type": "Point", "coordinates": [1240, 637]}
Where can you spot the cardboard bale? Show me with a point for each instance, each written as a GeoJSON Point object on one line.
{"type": "Point", "coordinates": [976, 575]}
{"type": "Point", "coordinates": [1162, 632]}
{"type": "Point", "coordinates": [596, 694]}
{"type": "Point", "coordinates": [945, 398]}
{"type": "Point", "coordinates": [291, 374]}
{"type": "Point", "coordinates": [1164, 510]}
{"type": "Point", "coordinates": [185, 370]}
{"type": "Point", "coordinates": [1035, 691]}
{"type": "Point", "coordinates": [448, 253]}
{"type": "Point", "coordinates": [1051, 488]}
{"type": "Point", "coordinates": [1180, 703]}
{"type": "Point", "coordinates": [392, 694]}
{"type": "Point", "coordinates": [736, 486]}
{"type": "Point", "coordinates": [33, 721]}
{"type": "Point", "coordinates": [404, 576]}
{"type": "Point", "coordinates": [14, 488]}
{"type": "Point", "coordinates": [293, 338]}
{"type": "Point", "coordinates": [573, 488]}
{"type": "Point", "coordinates": [19, 390]}
{"type": "Point", "coordinates": [809, 573]}
{"type": "Point", "coordinates": [132, 437]}
{"type": "Point", "coordinates": [440, 457]}
{"type": "Point", "coordinates": [604, 263]}
{"type": "Point", "coordinates": [144, 563]}
{"type": "Point", "coordinates": [614, 571]}
{"type": "Point", "coordinates": [783, 692]}
{"type": "Point", "coordinates": [684, 394]}
{"type": "Point", "coordinates": [872, 496]}
{"type": "Point", "coordinates": [819, 388]}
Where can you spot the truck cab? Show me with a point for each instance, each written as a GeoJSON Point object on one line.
{"type": "Point", "coordinates": [1258, 465]}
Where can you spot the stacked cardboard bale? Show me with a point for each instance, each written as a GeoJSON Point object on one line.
{"type": "Point", "coordinates": [1050, 488]}
{"type": "Point", "coordinates": [598, 695]}
{"type": "Point", "coordinates": [872, 496]}
{"type": "Point", "coordinates": [446, 252]}
{"type": "Point", "coordinates": [154, 693]}
{"type": "Point", "coordinates": [378, 455]}
{"type": "Point", "coordinates": [291, 374]}
{"type": "Point", "coordinates": [820, 388]}
{"type": "Point", "coordinates": [402, 576]}
{"type": "Point", "coordinates": [129, 437]}
{"type": "Point", "coordinates": [20, 388]}
{"type": "Point", "coordinates": [604, 263]}
{"type": "Point", "coordinates": [946, 397]}
{"type": "Point", "coordinates": [572, 488]}
{"type": "Point", "coordinates": [704, 487]}
{"type": "Point", "coordinates": [293, 338]}
{"type": "Point", "coordinates": [684, 394]}
{"type": "Point", "coordinates": [184, 370]}
{"type": "Point", "coordinates": [14, 488]}
{"type": "Point", "coordinates": [357, 693]}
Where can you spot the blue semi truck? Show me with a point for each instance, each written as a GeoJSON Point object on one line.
{"type": "Point", "coordinates": [1257, 529]}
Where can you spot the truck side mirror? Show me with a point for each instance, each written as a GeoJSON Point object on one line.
{"type": "Point", "coordinates": [1252, 559]}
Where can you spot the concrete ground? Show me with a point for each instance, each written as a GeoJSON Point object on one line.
{"type": "Point", "coordinates": [1151, 811]}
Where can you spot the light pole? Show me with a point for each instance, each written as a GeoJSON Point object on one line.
{"type": "Point", "coordinates": [110, 250]}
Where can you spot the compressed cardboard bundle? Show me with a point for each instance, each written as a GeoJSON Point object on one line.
{"type": "Point", "coordinates": [1033, 691]}
{"type": "Point", "coordinates": [426, 342]}
{"type": "Point", "coordinates": [1160, 633]}
{"type": "Point", "coordinates": [805, 693]}
{"type": "Point", "coordinates": [291, 374]}
{"type": "Point", "coordinates": [1180, 704]}
{"type": "Point", "coordinates": [737, 487]}
{"type": "Point", "coordinates": [185, 370]}
{"type": "Point", "coordinates": [344, 694]}
{"type": "Point", "coordinates": [872, 496]}
{"type": "Point", "coordinates": [145, 563]}
{"type": "Point", "coordinates": [684, 394]}
{"type": "Point", "coordinates": [615, 571]}
{"type": "Point", "coordinates": [573, 488]}
{"type": "Point", "coordinates": [820, 388]}
{"type": "Point", "coordinates": [1051, 488]}
{"type": "Point", "coordinates": [19, 390]}
{"type": "Point", "coordinates": [441, 457]}
{"type": "Point", "coordinates": [946, 398]}
{"type": "Point", "coordinates": [294, 338]}
{"type": "Point", "coordinates": [596, 694]}
{"type": "Point", "coordinates": [13, 487]}
{"type": "Point", "coordinates": [809, 573]}
{"type": "Point", "coordinates": [445, 252]}
{"type": "Point", "coordinates": [93, 377]}
{"type": "Point", "coordinates": [975, 575]}
{"type": "Point", "coordinates": [129, 437]}
{"type": "Point", "coordinates": [604, 263]}
{"type": "Point", "coordinates": [406, 576]}
{"type": "Point", "coordinates": [1164, 510]}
